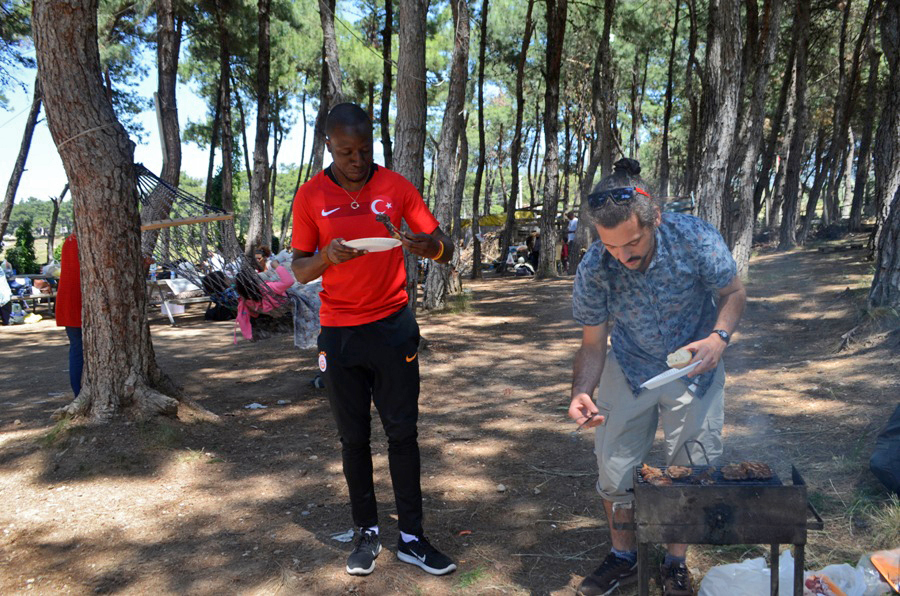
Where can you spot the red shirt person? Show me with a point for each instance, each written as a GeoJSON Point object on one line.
{"type": "Point", "coordinates": [68, 308]}
{"type": "Point", "coordinates": [369, 339]}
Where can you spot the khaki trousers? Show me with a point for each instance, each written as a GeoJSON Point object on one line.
{"type": "Point", "coordinates": [626, 437]}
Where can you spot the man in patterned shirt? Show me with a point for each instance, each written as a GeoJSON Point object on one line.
{"type": "Point", "coordinates": [653, 283]}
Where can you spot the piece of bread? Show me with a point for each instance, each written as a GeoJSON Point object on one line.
{"type": "Point", "coordinates": [679, 358]}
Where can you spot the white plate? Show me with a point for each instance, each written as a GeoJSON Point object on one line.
{"type": "Point", "coordinates": [669, 375]}
{"type": "Point", "coordinates": [373, 244]}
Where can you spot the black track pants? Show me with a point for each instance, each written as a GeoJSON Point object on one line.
{"type": "Point", "coordinates": [376, 362]}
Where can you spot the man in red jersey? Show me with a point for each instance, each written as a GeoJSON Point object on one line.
{"type": "Point", "coordinates": [369, 342]}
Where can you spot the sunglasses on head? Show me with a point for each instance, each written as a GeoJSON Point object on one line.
{"type": "Point", "coordinates": [619, 196]}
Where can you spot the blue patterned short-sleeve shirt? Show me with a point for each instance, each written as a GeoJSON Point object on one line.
{"type": "Point", "coordinates": [662, 309]}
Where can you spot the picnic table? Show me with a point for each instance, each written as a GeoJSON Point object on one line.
{"type": "Point", "coordinates": [35, 299]}
{"type": "Point", "coordinates": [167, 292]}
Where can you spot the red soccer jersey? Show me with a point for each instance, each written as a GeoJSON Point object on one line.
{"type": "Point", "coordinates": [373, 286]}
{"type": "Point", "coordinates": [68, 292]}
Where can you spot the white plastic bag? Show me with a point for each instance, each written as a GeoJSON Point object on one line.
{"type": "Point", "coordinates": [747, 578]}
{"type": "Point", "coordinates": [51, 269]}
{"type": "Point", "coordinates": [751, 578]}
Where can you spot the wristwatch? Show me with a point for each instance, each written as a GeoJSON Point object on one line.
{"type": "Point", "coordinates": [726, 337]}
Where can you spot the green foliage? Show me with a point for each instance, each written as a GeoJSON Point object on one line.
{"type": "Point", "coordinates": [40, 212]}
{"type": "Point", "coordinates": [21, 256]}
{"type": "Point", "coordinates": [15, 30]}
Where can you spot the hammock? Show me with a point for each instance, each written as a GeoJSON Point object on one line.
{"type": "Point", "coordinates": [196, 241]}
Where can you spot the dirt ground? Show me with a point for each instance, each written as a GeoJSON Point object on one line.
{"type": "Point", "coordinates": [248, 505]}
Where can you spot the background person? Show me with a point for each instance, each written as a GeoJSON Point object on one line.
{"type": "Point", "coordinates": [68, 309]}
{"type": "Point", "coordinates": [369, 342]}
{"type": "Point", "coordinates": [660, 282]}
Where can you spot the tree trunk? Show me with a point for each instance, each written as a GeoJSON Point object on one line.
{"type": "Point", "coordinates": [248, 169]}
{"type": "Point", "coordinates": [98, 157]}
{"type": "Point", "coordinates": [168, 45]}
{"type": "Point", "coordinates": [438, 279]}
{"type": "Point", "coordinates": [515, 151]}
{"type": "Point", "coordinates": [865, 143]}
{"type": "Point", "coordinates": [479, 169]}
{"type": "Point", "coordinates": [51, 234]}
{"type": "Point", "coordinates": [667, 110]}
{"type": "Point", "coordinates": [386, 34]}
{"type": "Point", "coordinates": [843, 106]}
{"type": "Point", "coordinates": [330, 93]}
{"type": "Point", "coordinates": [226, 128]}
{"type": "Point", "coordinates": [213, 143]}
{"type": "Point", "coordinates": [412, 102]}
{"type": "Point", "coordinates": [739, 224]}
{"type": "Point", "coordinates": [556, 32]}
{"type": "Point", "coordinates": [788, 233]}
{"type": "Point", "coordinates": [567, 155]}
{"type": "Point", "coordinates": [721, 79]}
{"type": "Point", "coordinates": [691, 68]}
{"type": "Point", "coordinates": [259, 233]}
{"type": "Point", "coordinates": [770, 152]}
{"type": "Point", "coordinates": [887, 163]}
{"type": "Point", "coordinates": [603, 112]}
{"type": "Point", "coordinates": [459, 190]}
{"type": "Point", "coordinates": [19, 168]}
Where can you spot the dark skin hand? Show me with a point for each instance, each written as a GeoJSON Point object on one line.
{"type": "Point", "coordinates": [308, 266]}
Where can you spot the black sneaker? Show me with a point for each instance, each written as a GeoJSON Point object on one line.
{"type": "Point", "coordinates": [676, 580]}
{"type": "Point", "coordinates": [420, 552]}
{"type": "Point", "coordinates": [365, 548]}
{"type": "Point", "coordinates": [612, 573]}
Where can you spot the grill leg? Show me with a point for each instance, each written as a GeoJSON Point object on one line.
{"type": "Point", "coordinates": [799, 550]}
{"type": "Point", "coordinates": [773, 585]}
{"type": "Point", "coordinates": [643, 569]}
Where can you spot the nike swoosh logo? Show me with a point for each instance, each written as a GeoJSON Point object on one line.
{"type": "Point", "coordinates": [411, 358]}
{"type": "Point", "coordinates": [422, 558]}
{"type": "Point", "coordinates": [327, 213]}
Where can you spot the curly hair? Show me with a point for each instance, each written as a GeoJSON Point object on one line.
{"type": "Point", "coordinates": [626, 172]}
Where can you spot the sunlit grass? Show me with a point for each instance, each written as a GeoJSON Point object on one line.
{"type": "Point", "coordinates": [885, 523]}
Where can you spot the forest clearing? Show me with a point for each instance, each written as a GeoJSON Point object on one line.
{"type": "Point", "coordinates": [248, 504]}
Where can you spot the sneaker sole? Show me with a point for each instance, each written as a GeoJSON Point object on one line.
{"type": "Point", "coordinates": [363, 570]}
{"type": "Point", "coordinates": [413, 560]}
{"type": "Point", "coordinates": [626, 581]}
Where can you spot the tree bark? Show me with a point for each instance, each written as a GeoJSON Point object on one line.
{"type": "Point", "coordinates": [409, 127]}
{"type": "Point", "coordinates": [259, 232]}
{"type": "Point", "coordinates": [721, 78]}
{"type": "Point", "coordinates": [479, 169]}
{"type": "Point", "coordinates": [19, 168]}
{"type": "Point", "coordinates": [788, 233]}
{"type": "Point", "coordinates": [515, 151]}
{"type": "Point", "coordinates": [386, 87]}
{"type": "Point", "coordinates": [98, 157]}
{"type": "Point", "coordinates": [330, 93]}
{"type": "Point", "coordinates": [739, 223]}
{"type": "Point", "coordinates": [556, 32]}
{"type": "Point", "coordinates": [887, 164]}
{"type": "Point", "coordinates": [865, 143]}
{"type": "Point", "coordinates": [667, 109]}
{"type": "Point", "coordinates": [438, 279]}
